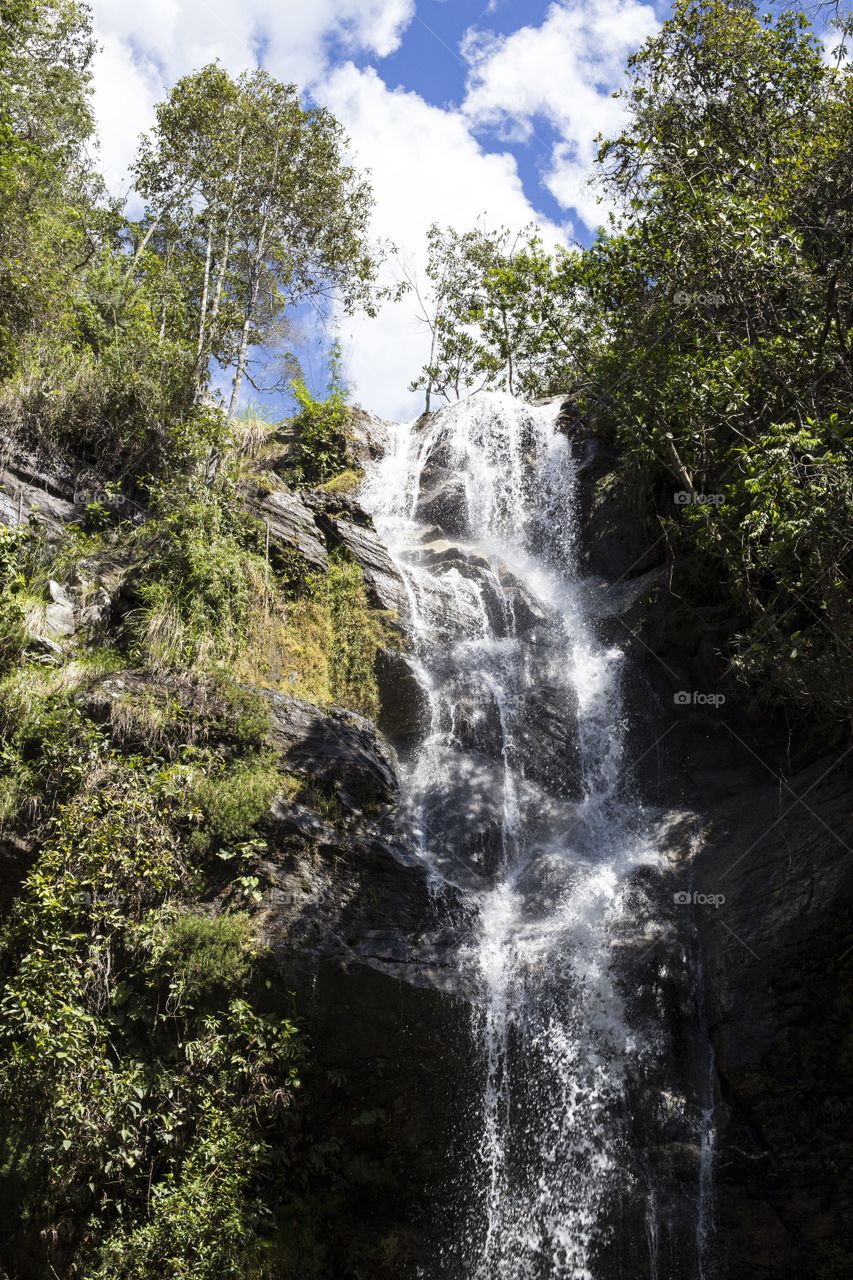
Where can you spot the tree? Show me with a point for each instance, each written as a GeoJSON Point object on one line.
{"type": "Point", "coordinates": [46, 186]}
{"type": "Point", "coordinates": [253, 194]}
{"type": "Point", "coordinates": [501, 312]}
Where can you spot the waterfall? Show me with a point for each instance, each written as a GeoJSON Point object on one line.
{"type": "Point", "coordinates": [516, 798]}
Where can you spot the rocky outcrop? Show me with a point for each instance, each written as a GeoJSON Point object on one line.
{"type": "Point", "coordinates": [310, 524]}
{"type": "Point", "coordinates": [353, 931]}
{"type": "Point", "coordinates": [345, 524]}
{"type": "Point", "coordinates": [368, 435]}
{"type": "Point", "coordinates": [763, 880]}
{"type": "Point", "coordinates": [334, 747]}
{"type": "Point", "coordinates": [291, 528]}
{"type": "Point", "coordinates": [34, 485]}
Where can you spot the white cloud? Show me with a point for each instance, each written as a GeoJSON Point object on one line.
{"type": "Point", "coordinates": [836, 48]}
{"type": "Point", "coordinates": [146, 46]}
{"type": "Point", "coordinates": [426, 167]}
{"type": "Point", "coordinates": [124, 107]}
{"type": "Point", "coordinates": [562, 73]}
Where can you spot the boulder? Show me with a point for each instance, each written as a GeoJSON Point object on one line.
{"type": "Point", "coordinates": [444, 502]}
{"type": "Point", "coordinates": [33, 483]}
{"type": "Point", "coordinates": [404, 702]}
{"type": "Point", "coordinates": [345, 524]}
{"type": "Point", "coordinates": [59, 618]}
{"type": "Point", "coordinates": [368, 435]}
{"type": "Point", "coordinates": [292, 527]}
{"type": "Point", "coordinates": [620, 599]}
{"type": "Point", "coordinates": [333, 747]}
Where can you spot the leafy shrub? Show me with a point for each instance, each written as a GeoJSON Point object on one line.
{"type": "Point", "coordinates": [232, 801]}
{"type": "Point", "coordinates": [196, 580]}
{"type": "Point", "coordinates": [321, 646]}
{"type": "Point", "coordinates": [204, 957]}
{"type": "Point", "coordinates": [128, 1041]}
{"type": "Point", "coordinates": [322, 431]}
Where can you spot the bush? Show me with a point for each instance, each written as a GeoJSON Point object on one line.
{"type": "Point", "coordinates": [196, 581]}
{"type": "Point", "coordinates": [322, 646]}
{"type": "Point", "coordinates": [205, 957]}
{"type": "Point", "coordinates": [322, 431]}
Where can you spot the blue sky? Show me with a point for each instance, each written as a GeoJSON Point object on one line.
{"type": "Point", "coordinates": [461, 109]}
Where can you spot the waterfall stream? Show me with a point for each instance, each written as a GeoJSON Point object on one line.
{"type": "Point", "coordinates": [517, 798]}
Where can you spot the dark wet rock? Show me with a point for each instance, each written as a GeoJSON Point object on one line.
{"type": "Point", "coordinates": [354, 894]}
{"type": "Point", "coordinates": [355, 932]}
{"type": "Point", "coordinates": [620, 599]}
{"type": "Point", "coordinates": [404, 714]}
{"type": "Point", "coordinates": [548, 744]}
{"type": "Point", "coordinates": [770, 832]}
{"type": "Point", "coordinates": [522, 607]}
{"type": "Point", "coordinates": [779, 984]}
{"type": "Point", "coordinates": [444, 503]}
{"type": "Point", "coordinates": [447, 553]}
{"type": "Point", "coordinates": [616, 542]}
{"type": "Point", "coordinates": [333, 747]}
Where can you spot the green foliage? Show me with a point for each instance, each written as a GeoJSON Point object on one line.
{"type": "Point", "coordinates": [706, 333]}
{"type": "Point", "coordinates": [356, 634]}
{"type": "Point", "coordinates": [197, 577]}
{"type": "Point", "coordinates": [249, 193]}
{"type": "Point", "coordinates": [321, 645]}
{"type": "Point", "coordinates": [198, 1226]}
{"type": "Point", "coordinates": [495, 313]}
{"type": "Point", "coordinates": [144, 1089]}
{"type": "Point", "coordinates": [343, 483]}
{"type": "Point", "coordinates": [321, 452]}
{"type": "Point", "coordinates": [834, 1262]}
{"type": "Point", "coordinates": [203, 957]}
{"type": "Point", "coordinates": [231, 802]}
{"type": "Point", "coordinates": [727, 369]}
{"type": "Point", "coordinates": [13, 583]}
{"type": "Point", "coordinates": [46, 189]}
{"type": "Point", "coordinates": [128, 1036]}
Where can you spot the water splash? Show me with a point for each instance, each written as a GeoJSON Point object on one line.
{"type": "Point", "coordinates": [515, 796]}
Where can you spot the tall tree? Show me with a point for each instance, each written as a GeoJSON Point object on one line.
{"type": "Point", "coordinates": [46, 185]}
{"type": "Point", "coordinates": [254, 188]}
{"type": "Point", "coordinates": [501, 313]}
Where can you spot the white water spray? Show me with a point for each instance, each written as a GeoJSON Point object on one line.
{"type": "Point", "coordinates": [515, 795]}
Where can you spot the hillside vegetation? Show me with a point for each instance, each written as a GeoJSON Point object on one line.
{"type": "Point", "coordinates": [147, 1080]}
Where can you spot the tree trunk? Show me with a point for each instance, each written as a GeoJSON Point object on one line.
{"type": "Point", "coordinates": [146, 240]}
{"type": "Point", "coordinates": [222, 269]}
{"type": "Point", "coordinates": [508, 347]}
{"type": "Point", "coordinates": [244, 340]}
{"type": "Point", "coordinates": [205, 291]}
{"type": "Point", "coordinates": [248, 316]}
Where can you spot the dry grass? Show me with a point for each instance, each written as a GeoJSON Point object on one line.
{"type": "Point", "coordinates": [288, 649]}
{"type": "Point", "coordinates": [346, 482]}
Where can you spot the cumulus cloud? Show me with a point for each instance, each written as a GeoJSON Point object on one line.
{"type": "Point", "coordinates": [426, 167]}
{"type": "Point", "coordinates": [562, 73]}
{"type": "Point", "coordinates": [147, 46]}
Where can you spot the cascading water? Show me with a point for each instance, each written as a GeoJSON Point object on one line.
{"type": "Point", "coordinates": [515, 797]}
